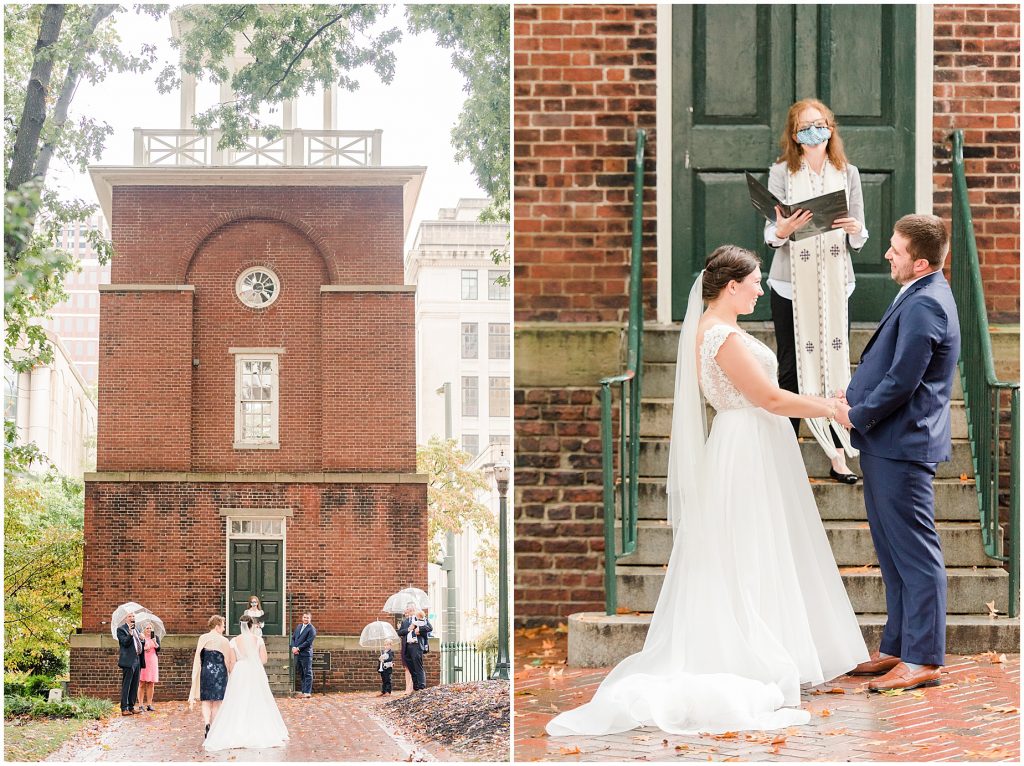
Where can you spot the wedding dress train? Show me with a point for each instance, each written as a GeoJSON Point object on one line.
{"type": "Point", "coordinates": [752, 603]}
{"type": "Point", "coordinates": [249, 716]}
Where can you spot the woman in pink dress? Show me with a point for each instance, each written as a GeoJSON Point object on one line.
{"type": "Point", "coordinates": [150, 673]}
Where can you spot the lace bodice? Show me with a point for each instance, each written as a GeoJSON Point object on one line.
{"type": "Point", "coordinates": [717, 387]}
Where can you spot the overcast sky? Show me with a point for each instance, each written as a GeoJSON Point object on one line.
{"type": "Point", "coordinates": [416, 112]}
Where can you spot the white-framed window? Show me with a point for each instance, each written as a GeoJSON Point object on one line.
{"type": "Point", "coordinates": [470, 340]}
{"type": "Point", "coordinates": [265, 528]}
{"type": "Point", "coordinates": [471, 444]}
{"type": "Point", "coordinates": [469, 284]}
{"type": "Point", "coordinates": [257, 394]}
{"type": "Point", "coordinates": [498, 397]}
{"type": "Point", "coordinates": [497, 285]}
{"type": "Point", "coordinates": [499, 439]}
{"type": "Point", "coordinates": [470, 396]}
{"type": "Point", "coordinates": [498, 340]}
{"type": "Point", "coordinates": [257, 287]}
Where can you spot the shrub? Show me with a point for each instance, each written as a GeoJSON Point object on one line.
{"type": "Point", "coordinates": [14, 683]}
{"type": "Point", "coordinates": [92, 707]}
{"type": "Point", "coordinates": [65, 709]}
{"type": "Point", "coordinates": [15, 705]}
{"type": "Point", "coordinates": [39, 686]}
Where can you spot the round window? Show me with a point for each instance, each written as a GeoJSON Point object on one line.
{"type": "Point", "coordinates": [257, 287]}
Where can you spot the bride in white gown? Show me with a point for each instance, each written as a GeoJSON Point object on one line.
{"type": "Point", "coordinates": [752, 605]}
{"type": "Point", "coordinates": [248, 717]}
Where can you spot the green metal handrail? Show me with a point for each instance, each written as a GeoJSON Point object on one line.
{"type": "Point", "coordinates": [629, 407]}
{"type": "Point", "coordinates": [984, 394]}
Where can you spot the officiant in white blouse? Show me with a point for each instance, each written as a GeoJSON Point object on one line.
{"type": "Point", "coordinates": [811, 279]}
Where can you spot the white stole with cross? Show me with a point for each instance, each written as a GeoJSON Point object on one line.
{"type": "Point", "coordinates": [819, 278]}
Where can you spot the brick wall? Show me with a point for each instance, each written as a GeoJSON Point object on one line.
{"type": "Point", "coordinates": [156, 230]}
{"type": "Point", "coordinates": [559, 544]}
{"type": "Point", "coordinates": [94, 672]}
{"type": "Point", "coordinates": [584, 82]}
{"type": "Point", "coordinates": [144, 411]}
{"type": "Point", "coordinates": [162, 544]}
{"type": "Point", "coordinates": [977, 89]}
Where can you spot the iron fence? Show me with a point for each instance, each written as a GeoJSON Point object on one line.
{"type": "Point", "coordinates": [468, 663]}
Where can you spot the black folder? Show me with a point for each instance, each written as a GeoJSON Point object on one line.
{"type": "Point", "coordinates": [826, 208]}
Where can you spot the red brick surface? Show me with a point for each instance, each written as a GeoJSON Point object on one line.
{"type": "Point", "coordinates": [977, 89]}
{"type": "Point", "coordinates": [584, 83]}
{"type": "Point", "coordinates": [972, 716]}
{"type": "Point", "coordinates": [162, 544]}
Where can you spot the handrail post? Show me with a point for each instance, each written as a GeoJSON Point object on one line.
{"type": "Point", "coordinates": [608, 473]}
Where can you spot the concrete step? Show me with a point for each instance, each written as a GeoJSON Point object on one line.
{"type": "Point", "coordinates": [955, 500]}
{"type": "Point", "coordinates": [659, 380]}
{"type": "Point", "coordinates": [969, 588]}
{"type": "Point", "coordinates": [599, 640]}
{"type": "Point", "coordinates": [850, 541]}
{"type": "Point", "coordinates": [654, 459]}
{"type": "Point", "coordinates": [656, 419]}
{"type": "Point", "coordinates": [661, 342]}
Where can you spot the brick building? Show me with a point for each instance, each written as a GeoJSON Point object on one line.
{"type": "Point", "coordinates": [587, 77]}
{"type": "Point", "coordinates": [257, 412]}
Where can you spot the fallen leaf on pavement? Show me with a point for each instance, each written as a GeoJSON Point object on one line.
{"type": "Point", "coordinates": [825, 713]}
{"type": "Point", "coordinates": [569, 751]}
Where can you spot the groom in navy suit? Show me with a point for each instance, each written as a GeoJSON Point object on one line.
{"type": "Point", "coordinates": [302, 647]}
{"type": "Point", "coordinates": [898, 409]}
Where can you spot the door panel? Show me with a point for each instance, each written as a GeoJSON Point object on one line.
{"type": "Point", "coordinates": [256, 567]}
{"type": "Point", "coordinates": [735, 71]}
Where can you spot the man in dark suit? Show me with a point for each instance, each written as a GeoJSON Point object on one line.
{"type": "Point", "coordinates": [302, 648]}
{"type": "Point", "coordinates": [898, 408]}
{"type": "Point", "coordinates": [130, 661]}
{"type": "Point", "coordinates": [412, 627]}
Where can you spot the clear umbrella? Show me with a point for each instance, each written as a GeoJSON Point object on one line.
{"type": "Point", "coordinates": [397, 602]}
{"type": "Point", "coordinates": [376, 633]}
{"type": "Point", "coordinates": [144, 618]}
{"type": "Point", "coordinates": [117, 618]}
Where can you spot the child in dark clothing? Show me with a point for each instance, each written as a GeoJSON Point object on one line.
{"type": "Point", "coordinates": [385, 666]}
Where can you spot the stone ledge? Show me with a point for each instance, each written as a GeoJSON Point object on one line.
{"type": "Point", "coordinates": [264, 478]}
{"type": "Point", "coordinates": [139, 288]}
{"type": "Point", "coordinates": [554, 354]}
{"type": "Point", "coordinates": [367, 288]}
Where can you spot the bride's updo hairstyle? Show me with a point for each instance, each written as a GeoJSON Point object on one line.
{"type": "Point", "coordinates": [725, 264]}
{"type": "Point", "coordinates": [246, 620]}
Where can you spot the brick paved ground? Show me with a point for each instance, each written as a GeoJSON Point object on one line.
{"type": "Point", "coordinates": [330, 727]}
{"type": "Point", "coordinates": [972, 716]}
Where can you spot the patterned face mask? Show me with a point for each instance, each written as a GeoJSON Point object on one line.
{"type": "Point", "coordinates": [813, 136]}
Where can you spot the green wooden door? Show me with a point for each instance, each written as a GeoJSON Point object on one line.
{"type": "Point", "coordinates": [257, 568]}
{"type": "Point", "coordinates": [736, 69]}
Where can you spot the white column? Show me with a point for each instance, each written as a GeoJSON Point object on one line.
{"type": "Point", "coordinates": [40, 381]}
{"type": "Point", "coordinates": [188, 100]}
{"type": "Point", "coordinates": [331, 107]}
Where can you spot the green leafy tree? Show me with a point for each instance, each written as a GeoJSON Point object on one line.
{"type": "Point", "coordinates": [43, 543]}
{"type": "Point", "coordinates": [452, 488]}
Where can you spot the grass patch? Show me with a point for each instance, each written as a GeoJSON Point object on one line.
{"type": "Point", "coordinates": [32, 740]}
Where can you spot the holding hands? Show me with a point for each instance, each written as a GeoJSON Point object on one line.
{"type": "Point", "coordinates": [843, 410]}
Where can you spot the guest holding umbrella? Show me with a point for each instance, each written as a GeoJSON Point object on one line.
{"type": "Point", "coordinates": [149, 675]}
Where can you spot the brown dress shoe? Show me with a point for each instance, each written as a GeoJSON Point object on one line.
{"type": "Point", "coordinates": [902, 677]}
{"type": "Point", "coordinates": [875, 666]}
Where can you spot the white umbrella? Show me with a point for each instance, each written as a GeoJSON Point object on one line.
{"type": "Point", "coordinates": [142, 618]}
{"type": "Point", "coordinates": [117, 618]}
{"type": "Point", "coordinates": [397, 602]}
{"type": "Point", "coordinates": [376, 633]}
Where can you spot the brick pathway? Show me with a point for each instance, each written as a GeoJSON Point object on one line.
{"type": "Point", "coordinates": [330, 727]}
{"type": "Point", "coordinates": [972, 716]}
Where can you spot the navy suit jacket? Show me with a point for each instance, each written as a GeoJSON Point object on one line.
{"type": "Point", "coordinates": [305, 645]}
{"type": "Point", "coordinates": [127, 656]}
{"type": "Point", "coordinates": [899, 395]}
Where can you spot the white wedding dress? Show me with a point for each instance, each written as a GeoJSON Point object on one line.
{"type": "Point", "coordinates": [248, 717]}
{"type": "Point", "coordinates": [752, 604]}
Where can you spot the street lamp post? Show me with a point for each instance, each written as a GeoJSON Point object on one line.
{"type": "Point", "coordinates": [451, 612]}
{"type": "Point", "coordinates": [502, 474]}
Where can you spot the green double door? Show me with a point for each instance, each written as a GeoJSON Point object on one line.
{"type": "Point", "coordinates": [256, 567]}
{"type": "Point", "coordinates": [736, 69]}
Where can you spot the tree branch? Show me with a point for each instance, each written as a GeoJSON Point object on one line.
{"type": "Point", "coordinates": [299, 55]}
{"type": "Point", "coordinates": [33, 114]}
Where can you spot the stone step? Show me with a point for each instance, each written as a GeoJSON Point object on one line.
{"type": "Point", "coordinates": [659, 381]}
{"type": "Point", "coordinates": [654, 459]}
{"type": "Point", "coordinates": [969, 589]}
{"type": "Point", "coordinates": [850, 541]}
{"type": "Point", "coordinates": [661, 342]}
{"type": "Point", "coordinates": [599, 640]}
{"type": "Point", "coordinates": [955, 500]}
{"type": "Point", "coordinates": [656, 419]}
